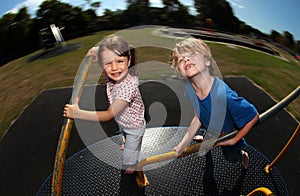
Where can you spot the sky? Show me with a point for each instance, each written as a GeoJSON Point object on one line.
{"type": "Point", "coordinates": [264, 15]}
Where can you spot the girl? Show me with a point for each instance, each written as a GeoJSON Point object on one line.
{"type": "Point", "coordinates": [126, 104]}
{"type": "Point", "coordinates": [193, 60]}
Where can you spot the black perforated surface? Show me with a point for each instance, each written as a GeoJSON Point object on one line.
{"type": "Point", "coordinates": [96, 170]}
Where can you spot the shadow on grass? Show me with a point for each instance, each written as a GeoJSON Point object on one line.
{"type": "Point", "coordinates": [56, 51]}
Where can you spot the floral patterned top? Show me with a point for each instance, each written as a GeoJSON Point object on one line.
{"type": "Point", "coordinates": [128, 90]}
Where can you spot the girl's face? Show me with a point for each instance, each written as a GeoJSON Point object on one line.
{"type": "Point", "coordinates": [115, 67]}
{"type": "Point", "coordinates": [191, 63]}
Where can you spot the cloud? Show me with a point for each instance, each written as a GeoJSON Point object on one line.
{"type": "Point", "coordinates": [236, 4]}
{"type": "Point", "coordinates": [32, 6]}
{"type": "Point", "coordinates": [156, 3]}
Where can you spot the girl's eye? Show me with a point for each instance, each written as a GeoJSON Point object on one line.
{"type": "Point", "coordinates": [105, 64]}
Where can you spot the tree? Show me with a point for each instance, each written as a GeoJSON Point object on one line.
{"type": "Point", "coordinates": [137, 12]}
{"type": "Point", "coordinates": [14, 33]}
{"type": "Point", "coordinates": [288, 40]}
{"type": "Point", "coordinates": [219, 11]}
{"type": "Point", "coordinates": [297, 47]}
{"type": "Point", "coordinates": [177, 14]}
{"type": "Point", "coordinates": [63, 15]}
{"type": "Point", "coordinates": [93, 5]}
{"type": "Point", "coordinates": [276, 36]}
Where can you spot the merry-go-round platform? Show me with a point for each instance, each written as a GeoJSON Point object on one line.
{"type": "Point", "coordinates": [96, 170]}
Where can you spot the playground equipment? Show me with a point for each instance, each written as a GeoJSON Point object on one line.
{"type": "Point", "coordinates": [66, 129]}
{"type": "Point", "coordinates": [51, 36]}
{"type": "Point", "coordinates": [177, 167]}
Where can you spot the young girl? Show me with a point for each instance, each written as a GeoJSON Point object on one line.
{"type": "Point", "coordinates": [208, 94]}
{"type": "Point", "coordinates": [126, 104]}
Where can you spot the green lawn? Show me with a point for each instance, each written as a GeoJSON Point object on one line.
{"type": "Point", "coordinates": [22, 81]}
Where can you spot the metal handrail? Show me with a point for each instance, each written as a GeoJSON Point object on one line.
{"type": "Point", "coordinates": [263, 190]}
{"type": "Point", "coordinates": [141, 178]}
{"type": "Point", "coordinates": [269, 167]}
{"type": "Point", "coordinates": [67, 128]}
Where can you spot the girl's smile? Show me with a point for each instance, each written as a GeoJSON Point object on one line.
{"type": "Point", "coordinates": [115, 67]}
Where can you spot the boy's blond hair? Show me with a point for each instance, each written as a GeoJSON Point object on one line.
{"type": "Point", "coordinates": [191, 45]}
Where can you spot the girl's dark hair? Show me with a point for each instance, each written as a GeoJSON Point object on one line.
{"type": "Point", "coordinates": [119, 46]}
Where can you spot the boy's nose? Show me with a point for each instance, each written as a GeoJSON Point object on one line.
{"type": "Point", "coordinates": [186, 59]}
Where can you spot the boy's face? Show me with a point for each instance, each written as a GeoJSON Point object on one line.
{"type": "Point", "coordinates": [115, 67]}
{"type": "Point", "coordinates": [191, 63]}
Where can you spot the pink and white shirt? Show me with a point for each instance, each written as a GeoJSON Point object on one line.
{"type": "Point", "coordinates": [128, 90]}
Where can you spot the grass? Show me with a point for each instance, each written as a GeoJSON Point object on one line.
{"type": "Point", "coordinates": [22, 81]}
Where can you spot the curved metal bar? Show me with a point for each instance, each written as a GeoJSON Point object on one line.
{"type": "Point", "coordinates": [280, 105]}
{"type": "Point", "coordinates": [269, 167]}
{"type": "Point", "coordinates": [263, 190]}
{"type": "Point", "coordinates": [66, 129]}
{"type": "Point", "coordinates": [267, 114]}
{"type": "Point", "coordinates": [141, 178]}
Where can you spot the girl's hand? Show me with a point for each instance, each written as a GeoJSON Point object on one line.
{"type": "Point", "coordinates": [72, 111]}
{"type": "Point", "coordinates": [93, 52]}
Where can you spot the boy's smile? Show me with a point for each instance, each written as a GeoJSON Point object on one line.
{"type": "Point", "coordinates": [188, 66]}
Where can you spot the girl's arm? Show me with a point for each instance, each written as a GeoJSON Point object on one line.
{"type": "Point", "coordinates": [241, 133]}
{"type": "Point", "coordinates": [194, 126]}
{"type": "Point", "coordinates": [73, 111]}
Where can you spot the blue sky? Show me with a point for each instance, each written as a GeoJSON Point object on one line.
{"type": "Point", "coordinates": [265, 15]}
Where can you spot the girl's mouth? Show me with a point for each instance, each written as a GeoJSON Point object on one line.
{"type": "Point", "coordinates": [117, 74]}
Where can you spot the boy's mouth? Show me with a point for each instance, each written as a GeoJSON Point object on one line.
{"type": "Point", "coordinates": [189, 66]}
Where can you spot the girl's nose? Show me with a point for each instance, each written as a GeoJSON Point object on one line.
{"type": "Point", "coordinates": [113, 65]}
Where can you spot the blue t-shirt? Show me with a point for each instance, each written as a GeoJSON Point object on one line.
{"type": "Point", "coordinates": [222, 110]}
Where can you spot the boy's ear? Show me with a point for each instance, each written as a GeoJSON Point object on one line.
{"type": "Point", "coordinates": [207, 61]}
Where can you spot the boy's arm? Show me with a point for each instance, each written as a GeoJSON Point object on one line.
{"type": "Point", "coordinates": [73, 111]}
{"type": "Point", "coordinates": [194, 126]}
{"type": "Point", "coordinates": [241, 133]}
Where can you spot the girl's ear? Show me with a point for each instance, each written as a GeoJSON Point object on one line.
{"type": "Point", "coordinates": [129, 61]}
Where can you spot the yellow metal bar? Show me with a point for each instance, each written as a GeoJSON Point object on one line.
{"type": "Point", "coordinates": [66, 130]}
{"type": "Point", "coordinates": [263, 190]}
{"type": "Point", "coordinates": [141, 179]}
{"type": "Point", "coordinates": [269, 167]}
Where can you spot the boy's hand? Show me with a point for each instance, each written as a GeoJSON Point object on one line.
{"type": "Point", "coordinates": [178, 149]}
{"type": "Point", "coordinates": [229, 142]}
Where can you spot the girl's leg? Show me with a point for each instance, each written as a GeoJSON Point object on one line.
{"type": "Point", "coordinates": [123, 138]}
{"type": "Point", "coordinates": [131, 152]}
{"type": "Point", "coordinates": [123, 142]}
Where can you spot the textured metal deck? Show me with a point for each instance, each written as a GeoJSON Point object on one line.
{"type": "Point", "coordinates": [96, 170]}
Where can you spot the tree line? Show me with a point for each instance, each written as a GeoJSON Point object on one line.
{"type": "Point", "coordinates": [20, 34]}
